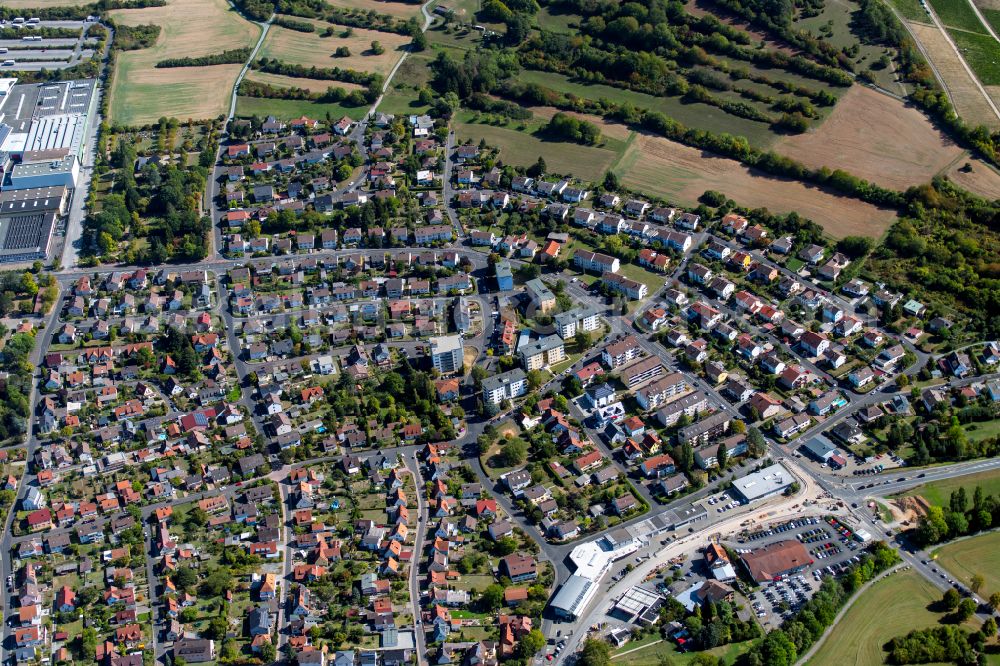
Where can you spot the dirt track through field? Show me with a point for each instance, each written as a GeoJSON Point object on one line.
{"type": "Point", "coordinates": [969, 102]}
{"type": "Point", "coordinates": [682, 174]}
{"type": "Point", "coordinates": [875, 137]}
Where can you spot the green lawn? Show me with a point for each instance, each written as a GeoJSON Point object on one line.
{"type": "Point", "coordinates": [911, 9]}
{"type": "Point", "coordinates": [699, 116]}
{"type": "Point", "coordinates": [978, 555]}
{"type": "Point", "coordinates": [562, 365]}
{"type": "Point", "coordinates": [471, 582]}
{"type": "Point", "coordinates": [653, 281]}
{"type": "Point", "coordinates": [833, 25]}
{"type": "Point", "coordinates": [957, 14]}
{"type": "Point", "coordinates": [287, 109]}
{"type": "Point", "coordinates": [982, 52]}
{"type": "Point", "coordinates": [522, 148]}
{"type": "Point", "coordinates": [938, 492]}
{"type": "Point", "coordinates": [857, 639]}
{"type": "Point", "coordinates": [794, 264]}
{"type": "Point", "coordinates": [992, 16]}
{"type": "Point", "coordinates": [980, 431]}
{"type": "Point", "coordinates": [554, 21]}
{"type": "Point", "coordinates": [652, 655]}
{"type": "Point", "coordinates": [401, 97]}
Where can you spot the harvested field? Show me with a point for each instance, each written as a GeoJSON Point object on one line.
{"type": "Point", "coordinates": [150, 94]}
{"type": "Point", "coordinates": [43, 4]}
{"type": "Point", "coordinates": [141, 93]}
{"type": "Point", "coordinates": [982, 180]}
{"type": "Point", "coordinates": [400, 9]}
{"type": "Point", "coordinates": [310, 49]}
{"type": "Point", "coordinates": [312, 85]}
{"type": "Point", "coordinates": [682, 174]}
{"type": "Point", "coordinates": [969, 102]}
{"type": "Point", "coordinates": [874, 137]}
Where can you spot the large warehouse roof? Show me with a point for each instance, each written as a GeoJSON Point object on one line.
{"type": "Point", "coordinates": [54, 136]}
{"type": "Point", "coordinates": [573, 596]}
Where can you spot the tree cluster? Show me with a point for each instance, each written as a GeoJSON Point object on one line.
{"type": "Point", "coordinates": [568, 128]}
{"type": "Point", "coordinates": [230, 57]}
{"type": "Point", "coordinates": [959, 517]}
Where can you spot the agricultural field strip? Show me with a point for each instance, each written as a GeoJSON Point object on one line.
{"type": "Point", "coordinates": [979, 86]}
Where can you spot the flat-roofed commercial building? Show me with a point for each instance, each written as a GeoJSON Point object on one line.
{"type": "Point", "coordinates": [765, 483]}
{"type": "Point", "coordinates": [61, 172]}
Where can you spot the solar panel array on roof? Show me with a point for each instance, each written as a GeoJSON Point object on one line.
{"type": "Point", "coordinates": [24, 231]}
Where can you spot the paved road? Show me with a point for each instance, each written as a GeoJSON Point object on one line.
{"type": "Point", "coordinates": [423, 517]}
{"type": "Point", "coordinates": [73, 236]}
{"type": "Point", "coordinates": [42, 341]}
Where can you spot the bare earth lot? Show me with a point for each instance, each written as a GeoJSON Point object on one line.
{"type": "Point", "coordinates": [309, 49]}
{"type": "Point", "coordinates": [969, 102]}
{"type": "Point", "coordinates": [874, 137]}
{"type": "Point", "coordinates": [312, 85]}
{"type": "Point", "coordinates": [141, 93]}
{"type": "Point", "coordinates": [682, 174]}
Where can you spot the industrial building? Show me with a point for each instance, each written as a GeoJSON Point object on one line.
{"type": "Point", "coordinates": [43, 136]}
{"type": "Point", "coordinates": [573, 597]}
{"type": "Point", "coordinates": [639, 605]}
{"type": "Point", "coordinates": [26, 221]}
{"type": "Point", "coordinates": [592, 560]}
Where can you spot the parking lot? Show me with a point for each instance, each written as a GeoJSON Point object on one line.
{"type": "Point", "coordinates": [28, 50]}
{"type": "Point", "coordinates": [722, 502]}
{"type": "Point", "coordinates": [832, 546]}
